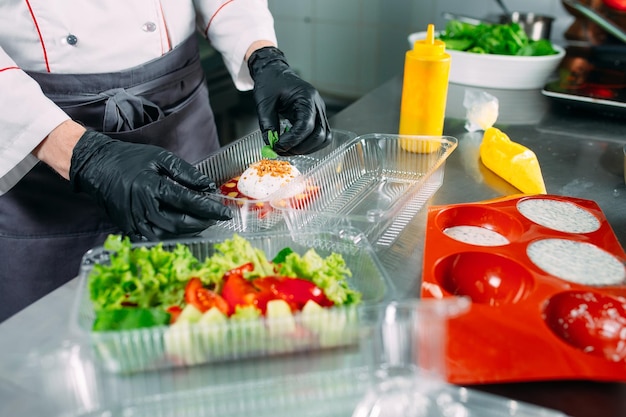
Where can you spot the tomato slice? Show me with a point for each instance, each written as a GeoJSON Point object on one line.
{"type": "Point", "coordinates": [203, 298]}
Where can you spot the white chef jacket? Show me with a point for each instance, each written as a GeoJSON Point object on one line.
{"type": "Point", "coordinates": [68, 36]}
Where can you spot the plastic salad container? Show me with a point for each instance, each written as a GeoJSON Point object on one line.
{"type": "Point", "coordinates": [164, 346]}
{"type": "Point", "coordinates": [376, 184]}
{"type": "Point", "coordinates": [394, 370]}
{"type": "Point", "coordinates": [230, 162]}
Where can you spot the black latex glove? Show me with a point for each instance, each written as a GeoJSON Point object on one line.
{"type": "Point", "coordinates": [145, 190]}
{"type": "Point", "coordinates": [278, 90]}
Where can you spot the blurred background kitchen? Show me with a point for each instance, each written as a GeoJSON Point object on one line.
{"type": "Point", "coordinates": [347, 48]}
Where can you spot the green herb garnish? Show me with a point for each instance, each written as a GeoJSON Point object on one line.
{"type": "Point", "coordinates": [281, 255]}
{"type": "Point", "coordinates": [268, 151]}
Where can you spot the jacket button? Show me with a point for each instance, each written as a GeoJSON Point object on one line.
{"type": "Point", "coordinates": [71, 40]}
{"type": "Point", "coordinates": [148, 27]}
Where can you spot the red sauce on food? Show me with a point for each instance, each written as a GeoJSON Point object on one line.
{"type": "Point", "coordinates": [231, 189]}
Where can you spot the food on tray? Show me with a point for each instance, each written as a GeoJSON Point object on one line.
{"type": "Point", "coordinates": [559, 215]}
{"type": "Point", "coordinates": [476, 235]}
{"type": "Point", "coordinates": [233, 303]}
{"type": "Point", "coordinates": [575, 261]}
{"type": "Point", "coordinates": [499, 39]}
{"type": "Point", "coordinates": [263, 178]}
{"type": "Point", "coordinates": [512, 161]}
{"type": "Point", "coordinates": [143, 287]}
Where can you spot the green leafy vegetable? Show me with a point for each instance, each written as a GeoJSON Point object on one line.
{"type": "Point", "coordinates": [499, 39]}
{"type": "Point", "coordinates": [130, 318]}
{"type": "Point", "coordinates": [140, 276]}
{"type": "Point", "coordinates": [268, 150]}
{"type": "Point", "coordinates": [281, 255]}
{"type": "Point", "coordinates": [232, 253]}
{"type": "Point", "coordinates": [330, 274]}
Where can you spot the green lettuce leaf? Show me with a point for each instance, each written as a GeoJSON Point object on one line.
{"type": "Point", "coordinates": [330, 274]}
{"type": "Point", "coordinates": [130, 318]}
{"type": "Point", "coordinates": [233, 253]}
{"type": "Point", "coordinates": [141, 276]}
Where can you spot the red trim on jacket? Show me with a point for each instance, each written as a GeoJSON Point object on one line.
{"type": "Point", "coordinates": [206, 31]}
{"type": "Point", "coordinates": [9, 68]}
{"type": "Point", "coordinates": [167, 31]}
{"type": "Point", "coordinates": [43, 47]}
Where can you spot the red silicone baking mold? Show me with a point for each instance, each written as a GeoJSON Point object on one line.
{"type": "Point", "coordinates": [547, 281]}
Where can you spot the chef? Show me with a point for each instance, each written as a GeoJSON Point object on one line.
{"type": "Point", "coordinates": [104, 110]}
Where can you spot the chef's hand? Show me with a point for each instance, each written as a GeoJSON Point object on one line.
{"type": "Point", "coordinates": [278, 90]}
{"type": "Point", "coordinates": [146, 190]}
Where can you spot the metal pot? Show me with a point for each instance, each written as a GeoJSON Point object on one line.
{"type": "Point", "coordinates": [536, 26]}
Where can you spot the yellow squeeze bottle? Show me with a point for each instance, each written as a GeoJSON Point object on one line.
{"type": "Point", "coordinates": [424, 92]}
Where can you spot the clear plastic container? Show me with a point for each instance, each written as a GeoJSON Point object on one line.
{"type": "Point", "coordinates": [373, 185]}
{"type": "Point", "coordinates": [421, 397]}
{"type": "Point", "coordinates": [169, 346]}
{"type": "Point", "coordinates": [394, 338]}
{"type": "Point", "coordinates": [393, 370]}
{"type": "Point", "coordinates": [230, 162]}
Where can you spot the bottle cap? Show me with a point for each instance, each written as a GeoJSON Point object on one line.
{"type": "Point", "coordinates": [429, 46]}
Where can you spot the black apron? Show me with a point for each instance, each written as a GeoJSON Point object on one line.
{"type": "Point", "coordinates": [45, 228]}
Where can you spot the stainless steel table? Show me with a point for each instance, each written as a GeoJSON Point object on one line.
{"type": "Point", "coordinates": [581, 155]}
{"type": "Point", "coordinates": [44, 372]}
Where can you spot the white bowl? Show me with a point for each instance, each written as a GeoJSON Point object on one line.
{"type": "Point", "coordinates": [499, 71]}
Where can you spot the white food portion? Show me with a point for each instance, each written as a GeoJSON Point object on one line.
{"type": "Point", "coordinates": [257, 186]}
{"type": "Point", "coordinates": [578, 262]}
{"type": "Point", "coordinates": [476, 235]}
{"type": "Point", "coordinates": [559, 215]}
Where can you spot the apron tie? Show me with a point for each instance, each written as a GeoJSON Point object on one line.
{"type": "Point", "coordinates": [125, 111]}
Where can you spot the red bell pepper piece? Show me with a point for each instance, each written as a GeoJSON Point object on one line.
{"type": "Point", "coordinates": [295, 291]}
{"type": "Point", "coordinates": [238, 291]}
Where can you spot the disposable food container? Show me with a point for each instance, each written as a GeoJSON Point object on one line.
{"type": "Point", "coordinates": [376, 184]}
{"type": "Point", "coordinates": [233, 159]}
{"type": "Point", "coordinates": [547, 279]}
{"type": "Point", "coordinates": [394, 369]}
{"type": "Point", "coordinates": [167, 346]}
{"type": "Point", "coordinates": [397, 358]}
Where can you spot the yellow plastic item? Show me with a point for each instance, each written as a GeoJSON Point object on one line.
{"type": "Point", "coordinates": [512, 161]}
{"type": "Point", "coordinates": [424, 92]}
